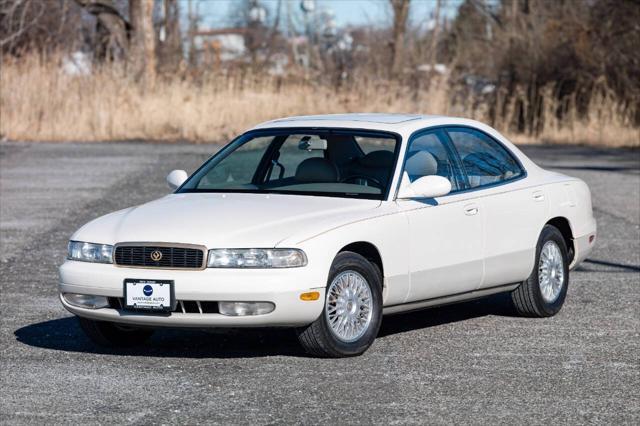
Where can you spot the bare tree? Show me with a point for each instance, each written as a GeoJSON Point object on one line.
{"type": "Point", "coordinates": [434, 35]}
{"type": "Point", "coordinates": [111, 29]}
{"type": "Point", "coordinates": [400, 10]}
{"type": "Point", "coordinates": [171, 48]}
{"type": "Point", "coordinates": [193, 17]}
{"type": "Point", "coordinates": [17, 17]}
{"type": "Point", "coordinates": [143, 40]}
{"type": "Point", "coordinates": [548, 61]}
{"type": "Point", "coordinates": [271, 42]}
{"type": "Point", "coordinates": [45, 25]}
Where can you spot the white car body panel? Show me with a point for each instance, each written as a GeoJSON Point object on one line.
{"type": "Point", "coordinates": [510, 244]}
{"type": "Point", "coordinates": [430, 254]}
{"type": "Point", "coordinates": [444, 248]}
{"type": "Point", "coordinates": [240, 220]}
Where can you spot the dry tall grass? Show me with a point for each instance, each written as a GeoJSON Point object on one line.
{"type": "Point", "coordinates": [39, 102]}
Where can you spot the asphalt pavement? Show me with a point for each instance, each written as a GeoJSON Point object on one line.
{"type": "Point", "coordinates": [468, 363]}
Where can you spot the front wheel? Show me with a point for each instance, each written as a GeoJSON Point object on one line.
{"type": "Point", "coordinates": [352, 313]}
{"type": "Point", "coordinates": [109, 334]}
{"type": "Point", "coordinates": [544, 292]}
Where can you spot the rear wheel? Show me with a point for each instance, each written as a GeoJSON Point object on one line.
{"type": "Point", "coordinates": [352, 313]}
{"type": "Point", "coordinates": [110, 334]}
{"type": "Point", "coordinates": [544, 292]}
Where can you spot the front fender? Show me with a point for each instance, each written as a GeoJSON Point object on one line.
{"type": "Point", "coordinates": [388, 232]}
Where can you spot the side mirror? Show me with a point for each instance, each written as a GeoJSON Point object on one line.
{"type": "Point", "coordinates": [176, 178]}
{"type": "Point", "coordinates": [426, 187]}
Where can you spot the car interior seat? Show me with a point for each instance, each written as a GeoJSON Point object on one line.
{"type": "Point", "coordinates": [421, 163]}
{"type": "Point", "coordinates": [316, 169]}
{"type": "Point", "coordinates": [376, 164]}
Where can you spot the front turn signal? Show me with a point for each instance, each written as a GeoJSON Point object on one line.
{"type": "Point", "coordinates": [310, 296]}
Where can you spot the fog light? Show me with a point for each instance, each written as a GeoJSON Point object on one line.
{"type": "Point", "coordinates": [87, 301]}
{"type": "Point", "coordinates": [310, 296]}
{"type": "Point", "coordinates": [237, 309]}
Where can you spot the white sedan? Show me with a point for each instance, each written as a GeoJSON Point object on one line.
{"type": "Point", "coordinates": [327, 223]}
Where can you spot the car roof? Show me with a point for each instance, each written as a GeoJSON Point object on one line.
{"type": "Point", "coordinates": [363, 117]}
{"type": "Point", "coordinates": [399, 123]}
{"type": "Point", "coordinates": [377, 121]}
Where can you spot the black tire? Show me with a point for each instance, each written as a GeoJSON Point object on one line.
{"type": "Point", "coordinates": [527, 298]}
{"type": "Point", "coordinates": [318, 339]}
{"type": "Point", "coordinates": [109, 334]}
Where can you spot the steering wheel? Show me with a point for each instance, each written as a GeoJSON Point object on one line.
{"type": "Point", "coordinates": [375, 181]}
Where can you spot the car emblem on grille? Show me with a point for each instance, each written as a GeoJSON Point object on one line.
{"type": "Point", "coordinates": [156, 255]}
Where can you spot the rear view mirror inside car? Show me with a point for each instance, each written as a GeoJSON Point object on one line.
{"type": "Point", "coordinates": [309, 143]}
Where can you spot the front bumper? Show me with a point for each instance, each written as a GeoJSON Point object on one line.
{"type": "Point", "coordinates": [282, 287]}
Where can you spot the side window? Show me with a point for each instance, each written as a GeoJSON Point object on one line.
{"type": "Point", "coordinates": [427, 155]}
{"type": "Point", "coordinates": [485, 161]}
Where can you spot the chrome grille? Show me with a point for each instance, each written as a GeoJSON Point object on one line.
{"type": "Point", "coordinates": [146, 256]}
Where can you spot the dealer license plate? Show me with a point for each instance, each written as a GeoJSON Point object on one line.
{"type": "Point", "coordinates": [151, 295]}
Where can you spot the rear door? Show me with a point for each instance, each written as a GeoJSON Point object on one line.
{"type": "Point", "coordinates": [445, 239]}
{"type": "Point", "coordinates": [513, 212]}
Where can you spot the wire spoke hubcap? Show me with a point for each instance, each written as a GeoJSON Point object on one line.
{"type": "Point", "coordinates": [349, 306]}
{"type": "Point", "coordinates": [550, 271]}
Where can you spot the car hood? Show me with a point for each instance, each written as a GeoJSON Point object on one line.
{"type": "Point", "coordinates": [225, 220]}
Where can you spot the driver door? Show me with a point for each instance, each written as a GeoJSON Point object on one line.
{"type": "Point", "coordinates": [445, 243]}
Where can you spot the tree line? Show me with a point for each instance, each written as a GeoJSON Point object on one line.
{"type": "Point", "coordinates": [521, 55]}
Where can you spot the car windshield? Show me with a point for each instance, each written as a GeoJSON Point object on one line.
{"type": "Point", "coordinates": [329, 162]}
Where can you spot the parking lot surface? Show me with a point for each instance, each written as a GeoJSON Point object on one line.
{"type": "Point", "coordinates": [468, 363]}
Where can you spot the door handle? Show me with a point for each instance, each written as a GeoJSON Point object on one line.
{"type": "Point", "coordinates": [471, 210]}
{"type": "Point", "coordinates": [538, 196]}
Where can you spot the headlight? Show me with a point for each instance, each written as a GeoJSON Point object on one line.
{"type": "Point", "coordinates": [90, 252]}
{"type": "Point", "coordinates": [256, 258]}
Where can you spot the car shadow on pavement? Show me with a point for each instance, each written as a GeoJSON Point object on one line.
{"type": "Point", "coordinates": [64, 334]}
{"type": "Point", "coordinates": [606, 266]}
{"type": "Point", "coordinates": [497, 304]}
